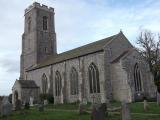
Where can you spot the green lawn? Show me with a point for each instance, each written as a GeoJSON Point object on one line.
{"type": "Point", "coordinates": [138, 108]}
{"type": "Point", "coordinates": [47, 115]}
{"type": "Point", "coordinates": [64, 112]}
{"type": "Point", "coordinates": [69, 106]}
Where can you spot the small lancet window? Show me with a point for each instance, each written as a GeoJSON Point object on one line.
{"type": "Point", "coordinates": [45, 23]}
{"type": "Point", "coordinates": [94, 78]}
{"type": "Point", "coordinates": [137, 78]}
{"type": "Point", "coordinates": [58, 84]}
{"type": "Point", "coordinates": [29, 24]}
{"type": "Point", "coordinates": [44, 84]}
{"type": "Point", "coordinates": [74, 81]}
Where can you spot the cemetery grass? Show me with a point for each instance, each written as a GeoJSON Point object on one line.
{"type": "Point", "coordinates": [137, 107]}
{"type": "Point", "coordinates": [33, 114]}
{"type": "Point", "coordinates": [68, 106]}
{"type": "Point", "coordinates": [67, 112]}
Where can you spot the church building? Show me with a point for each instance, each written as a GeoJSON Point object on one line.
{"type": "Point", "coordinates": [105, 70]}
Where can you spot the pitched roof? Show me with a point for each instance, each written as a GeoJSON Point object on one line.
{"type": "Point", "coordinates": [77, 52]}
{"type": "Point", "coordinates": [27, 84]}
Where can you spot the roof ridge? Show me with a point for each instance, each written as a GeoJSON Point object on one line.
{"type": "Point", "coordinates": [89, 43]}
{"type": "Point", "coordinates": [76, 52]}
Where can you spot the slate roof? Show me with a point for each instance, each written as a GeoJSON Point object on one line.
{"type": "Point", "coordinates": [27, 84]}
{"type": "Point", "coordinates": [77, 52]}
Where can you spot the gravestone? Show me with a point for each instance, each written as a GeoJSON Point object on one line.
{"type": "Point", "coordinates": [6, 107]}
{"type": "Point", "coordinates": [94, 113]}
{"type": "Point", "coordinates": [31, 101]}
{"type": "Point", "coordinates": [99, 112]}
{"type": "Point", "coordinates": [84, 101]}
{"type": "Point", "coordinates": [40, 107]}
{"type": "Point", "coordinates": [82, 109]}
{"type": "Point", "coordinates": [145, 105]}
{"type": "Point", "coordinates": [125, 111]}
{"type": "Point", "coordinates": [103, 111]}
{"type": "Point", "coordinates": [45, 102]}
{"type": "Point", "coordinates": [158, 98]}
{"type": "Point", "coordinates": [18, 105]}
{"type": "Point", "coordinates": [0, 105]}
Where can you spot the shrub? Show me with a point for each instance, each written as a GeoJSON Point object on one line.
{"type": "Point", "coordinates": [50, 99]}
{"type": "Point", "coordinates": [26, 106]}
{"type": "Point", "coordinates": [43, 97]}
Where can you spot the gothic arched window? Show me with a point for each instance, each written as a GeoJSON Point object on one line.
{"type": "Point", "coordinates": [58, 84]}
{"type": "Point", "coordinates": [45, 23]}
{"type": "Point", "coordinates": [93, 78]}
{"type": "Point", "coordinates": [137, 78]}
{"type": "Point", "coordinates": [74, 81]}
{"type": "Point", "coordinates": [44, 84]}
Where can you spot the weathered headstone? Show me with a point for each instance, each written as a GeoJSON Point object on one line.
{"type": "Point", "coordinates": [94, 113]}
{"type": "Point", "coordinates": [125, 111]}
{"type": "Point", "coordinates": [6, 107]}
{"type": "Point", "coordinates": [40, 107]}
{"type": "Point", "coordinates": [103, 111]}
{"type": "Point", "coordinates": [145, 103]}
{"type": "Point", "coordinates": [31, 101]}
{"type": "Point", "coordinates": [158, 98]}
{"type": "Point", "coordinates": [84, 101]}
{"type": "Point", "coordinates": [99, 112]}
{"type": "Point", "coordinates": [81, 108]}
{"type": "Point", "coordinates": [45, 102]}
{"type": "Point", "coordinates": [18, 105]}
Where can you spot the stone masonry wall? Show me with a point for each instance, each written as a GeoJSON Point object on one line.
{"type": "Point", "coordinates": [81, 65]}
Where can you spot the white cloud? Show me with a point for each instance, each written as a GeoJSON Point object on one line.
{"type": "Point", "coordinates": [77, 22]}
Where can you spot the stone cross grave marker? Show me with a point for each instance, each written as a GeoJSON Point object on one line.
{"type": "Point", "coordinates": [6, 107]}
{"type": "Point", "coordinates": [125, 111]}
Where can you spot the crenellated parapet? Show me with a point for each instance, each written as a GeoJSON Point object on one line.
{"type": "Point", "coordinates": [38, 5]}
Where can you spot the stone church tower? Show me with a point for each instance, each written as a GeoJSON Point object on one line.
{"type": "Point", "coordinates": [39, 37]}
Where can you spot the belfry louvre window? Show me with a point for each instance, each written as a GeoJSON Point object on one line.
{"type": "Point", "coordinates": [74, 81]}
{"type": "Point", "coordinates": [45, 23]}
{"type": "Point", "coordinates": [137, 78]}
{"type": "Point", "coordinates": [44, 84]}
{"type": "Point", "coordinates": [58, 84]}
{"type": "Point", "coordinates": [93, 78]}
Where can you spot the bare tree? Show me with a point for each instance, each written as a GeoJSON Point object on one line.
{"type": "Point", "coordinates": [149, 47]}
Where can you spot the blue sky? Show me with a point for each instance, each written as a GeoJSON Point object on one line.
{"type": "Point", "coordinates": [78, 22]}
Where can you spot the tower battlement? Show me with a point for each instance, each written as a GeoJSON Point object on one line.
{"type": "Point", "coordinates": [38, 5]}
